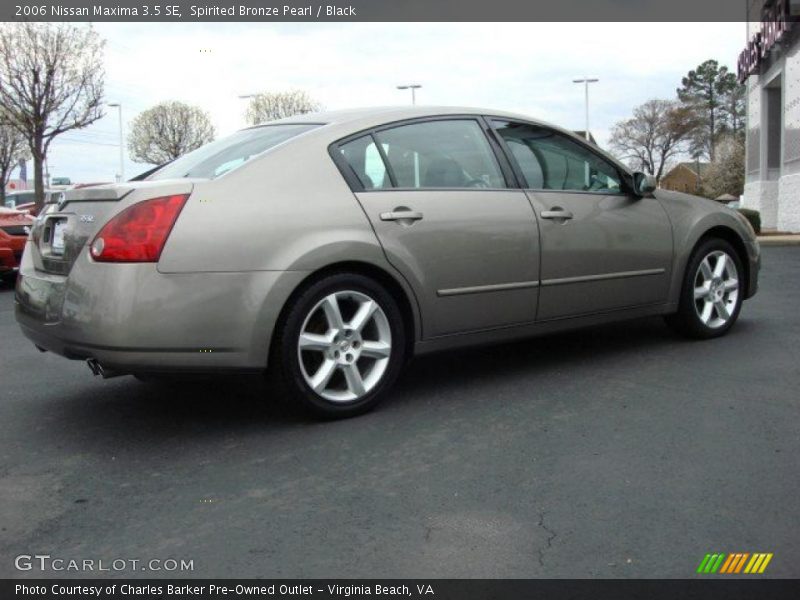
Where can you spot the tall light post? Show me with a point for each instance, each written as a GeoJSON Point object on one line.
{"type": "Point", "coordinates": [118, 106]}
{"type": "Point", "coordinates": [586, 81]}
{"type": "Point", "coordinates": [413, 87]}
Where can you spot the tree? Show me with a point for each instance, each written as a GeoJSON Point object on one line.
{"type": "Point", "coordinates": [12, 148]}
{"type": "Point", "coordinates": [726, 174]}
{"type": "Point", "coordinates": [658, 131]}
{"type": "Point", "coordinates": [168, 130]}
{"type": "Point", "coordinates": [271, 106]}
{"type": "Point", "coordinates": [734, 110]}
{"type": "Point", "coordinates": [717, 97]}
{"type": "Point", "coordinates": [51, 81]}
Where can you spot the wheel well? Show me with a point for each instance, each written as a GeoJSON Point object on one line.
{"type": "Point", "coordinates": [730, 236]}
{"type": "Point", "coordinates": [367, 270]}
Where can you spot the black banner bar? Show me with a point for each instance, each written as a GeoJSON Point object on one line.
{"type": "Point", "coordinates": [733, 588]}
{"type": "Point", "coordinates": [635, 11]}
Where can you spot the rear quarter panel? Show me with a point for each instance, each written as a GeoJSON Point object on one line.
{"type": "Point", "coordinates": [287, 211]}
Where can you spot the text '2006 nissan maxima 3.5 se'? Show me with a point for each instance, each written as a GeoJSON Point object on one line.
{"type": "Point", "coordinates": [329, 248]}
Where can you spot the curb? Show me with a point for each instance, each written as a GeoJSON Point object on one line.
{"type": "Point", "coordinates": [779, 240]}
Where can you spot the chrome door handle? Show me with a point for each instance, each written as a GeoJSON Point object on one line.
{"type": "Point", "coordinates": [401, 215]}
{"type": "Point", "coordinates": [556, 213]}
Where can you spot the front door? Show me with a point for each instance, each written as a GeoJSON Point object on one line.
{"type": "Point", "coordinates": [603, 248]}
{"type": "Point", "coordinates": [447, 220]}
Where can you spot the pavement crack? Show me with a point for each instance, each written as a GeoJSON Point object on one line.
{"type": "Point", "coordinates": [551, 535]}
{"type": "Point", "coordinates": [428, 532]}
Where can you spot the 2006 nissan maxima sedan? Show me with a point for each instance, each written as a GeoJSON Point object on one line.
{"type": "Point", "coordinates": [332, 247]}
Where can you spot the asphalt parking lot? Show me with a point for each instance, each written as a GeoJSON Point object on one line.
{"type": "Point", "coordinates": [622, 451]}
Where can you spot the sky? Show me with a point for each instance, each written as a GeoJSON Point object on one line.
{"type": "Point", "coordinates": [521, 67]}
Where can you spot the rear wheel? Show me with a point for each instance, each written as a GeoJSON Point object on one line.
{"type": "Point", "coordinates": [712, 294]}
{"type": "Point", "coordinates": [340, 346]}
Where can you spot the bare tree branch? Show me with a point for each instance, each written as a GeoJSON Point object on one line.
{"type": "Point", "coordinates": [658, 131]}
{"type": "Point", "coordinates": [167, 131]}
{"type": "Point", "coordinates": [271, 106]}
{"type": "Point", "coordinates": [51, 81]}
{"type": "Point", "coordinates": [13, 147]}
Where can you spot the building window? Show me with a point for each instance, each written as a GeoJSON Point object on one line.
{"type": "Point", "coordinates": [773, 105]}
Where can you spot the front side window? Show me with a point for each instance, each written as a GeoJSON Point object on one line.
{"type": "Point", "coordinates": [441, 154]}
{"type": "Point", "coordinates": [220, 156]}
{"type": "Point", "coordinates": [552, 161]}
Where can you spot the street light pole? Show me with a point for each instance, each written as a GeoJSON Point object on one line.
{"type": "Point", "coordinates": [413, 87]}
{"type": "Point", "coordinates": [118, 106]}
{"type": "Point", "coordinates": [586, 81]}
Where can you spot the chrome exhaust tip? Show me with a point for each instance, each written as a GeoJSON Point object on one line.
{"type": "Point", "coordinates": [94, 366]}
{"type": "Point", "coordinates": [97, 369]}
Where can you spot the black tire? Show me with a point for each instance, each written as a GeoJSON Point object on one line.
{"type": "Point", "coordinates": [288, 369]}
{"type": "Point", "coordinates": [688, 321]}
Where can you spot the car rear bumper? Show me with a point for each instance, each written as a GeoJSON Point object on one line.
{"type": "Point", "coordinates": [131, 317]}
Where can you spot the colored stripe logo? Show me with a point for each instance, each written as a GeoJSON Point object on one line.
{"type": "Point", "coordinates": [738, 562]}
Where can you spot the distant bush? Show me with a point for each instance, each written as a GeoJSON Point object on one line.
{"type": "Point", "coordinates": [753, 216]}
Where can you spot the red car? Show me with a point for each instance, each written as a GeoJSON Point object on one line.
{"type": "Point", "coordinates": [14, 228]}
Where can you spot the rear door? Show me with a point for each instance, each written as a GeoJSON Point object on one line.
{"type": "Point", "coordinates": [603, 248]}
{"type": "Point", "coordinates": [439, 200]}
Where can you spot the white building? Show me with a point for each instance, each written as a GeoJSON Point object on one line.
{"type": "Point", "coordinates": [770, 64]}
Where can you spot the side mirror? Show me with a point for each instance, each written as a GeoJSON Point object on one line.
{"type": "Point", "coordinates": [644, 184]}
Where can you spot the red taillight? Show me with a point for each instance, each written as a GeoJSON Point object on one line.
{"type": "Point", "coordinates": [139, 232]}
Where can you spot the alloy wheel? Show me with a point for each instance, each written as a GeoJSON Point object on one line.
{"type": "Point", "coordinates": [716, 289]}
{"type": "Point", "coordinates": [344, 346]}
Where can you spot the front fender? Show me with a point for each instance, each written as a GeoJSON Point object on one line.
{"type": "Point", "coordinates": [692, 218]}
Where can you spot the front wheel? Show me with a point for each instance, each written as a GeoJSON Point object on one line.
{"type": "Point", "coordinates": [712, 293]}
{"type": "Point", "coordinates": [341, 346]}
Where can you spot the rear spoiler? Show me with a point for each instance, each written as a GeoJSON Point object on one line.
{"type": "Point", "coordinates": [112, 193]}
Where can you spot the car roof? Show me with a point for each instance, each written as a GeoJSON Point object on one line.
{"type": "Point", "coordinates": [352, 116]}
{"type": "Point", "coordinates": [343, 123]}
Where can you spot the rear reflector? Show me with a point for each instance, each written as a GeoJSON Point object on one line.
{"type": "Point", "coordinates": [139, 232]}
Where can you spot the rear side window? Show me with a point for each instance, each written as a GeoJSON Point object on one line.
{"type": "Point", "coordinates": [552, 161]}
{"type": "Point", "coordinates": [221, 156]}
{"type": "Point", "coordinates": [441, 154]}
{"type": "Point", "coordinates": [445, 154]}
{"type": "Point", "coordinates": [365, 160]}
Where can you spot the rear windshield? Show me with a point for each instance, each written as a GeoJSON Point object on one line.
{"type": "Point", "coordinates": [216, 158]}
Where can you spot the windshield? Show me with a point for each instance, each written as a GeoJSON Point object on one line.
{"type": "Point", "coordinates": [216, 158]}
{"type": "Point", "coordinates": [13, 200]}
